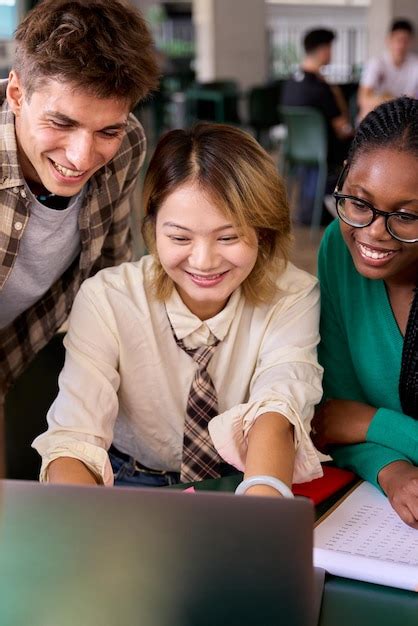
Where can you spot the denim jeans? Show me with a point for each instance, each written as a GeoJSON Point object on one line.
{"type": "Point", "coordinates": [126, 475]}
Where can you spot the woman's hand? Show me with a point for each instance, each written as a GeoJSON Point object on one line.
{"type": "Point", "coordinates": [339, 422]}
{"type": "Point", "coordinates": [399, 480]}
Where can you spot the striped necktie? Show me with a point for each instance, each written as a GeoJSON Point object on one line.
{"type": "Point", "coordinates": [200, 459]}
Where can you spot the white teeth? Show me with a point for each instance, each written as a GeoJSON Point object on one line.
{"type": "Point", "coordinates": [206, 277]}
{"type": "Point", "coordinates": [373, 254]}
{"type": "Point", "coordinates": [65, 171]}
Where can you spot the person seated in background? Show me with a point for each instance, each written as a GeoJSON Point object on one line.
{"type": "Point", "coordinates": [368, 270]}
{"type": "Point", "coordinates": [308, 87]}
{"type": "Point", "coordinates": [202, 355]}
{"type": "Point", "coordinates": [394, 73]}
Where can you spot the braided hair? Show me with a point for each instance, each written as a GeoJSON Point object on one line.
{"type": "Point", "coordinates": [394, 125]}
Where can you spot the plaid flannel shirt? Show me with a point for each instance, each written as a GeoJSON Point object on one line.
{"type": "Point", "coordinates": [104, 234]}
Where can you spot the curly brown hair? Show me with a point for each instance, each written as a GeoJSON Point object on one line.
{"type": "Point", "coordinates": [242, 181]}
{"type": "Point", "coordinates": [103, 47]}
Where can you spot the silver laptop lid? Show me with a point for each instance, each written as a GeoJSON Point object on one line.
{"type": "Point", "coordinates": [95, 556]}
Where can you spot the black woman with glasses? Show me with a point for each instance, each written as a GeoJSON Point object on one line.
{"type": "Point", "coordinates": [368, 269]}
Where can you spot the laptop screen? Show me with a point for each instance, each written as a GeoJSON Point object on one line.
{"type": "Point", "coordinates": [110, 557]}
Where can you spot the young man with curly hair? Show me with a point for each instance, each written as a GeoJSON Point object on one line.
{"type": "Point", "coordinates": [70, 156]}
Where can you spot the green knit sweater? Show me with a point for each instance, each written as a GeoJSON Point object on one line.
{"type": "Point", "coordinates": [361, 350]}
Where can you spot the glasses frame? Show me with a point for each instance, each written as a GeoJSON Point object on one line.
{"type": "Point", "coordinates": [375, 212]}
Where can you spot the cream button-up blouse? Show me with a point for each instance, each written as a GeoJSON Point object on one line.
{"type": "Point", "coordinates": [126, 381]}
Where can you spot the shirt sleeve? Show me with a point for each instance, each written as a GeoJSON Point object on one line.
{"type": "Point", "coordinates": [117, 245]}
{"type": "Point", "coordinates": [371, 74]}
{"type": "Point", "coordinates": [81, 419]}
{"type": "Point", "coordinates": [340, 378]}
{"type": "Point", "coordinates": [327, 103]}
{"type": "Point", "coordinates": [287, 380]}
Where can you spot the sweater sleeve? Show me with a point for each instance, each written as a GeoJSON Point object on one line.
{"type": "Point", "coordinates": [366, 459]}
{"type": "Point", "coordinates": [398, 430]}
{"type": "Point", "coordinates": [340, 378]}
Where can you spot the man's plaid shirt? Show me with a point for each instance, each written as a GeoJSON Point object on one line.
{"type": "Point", "coordinates": [104, 234]}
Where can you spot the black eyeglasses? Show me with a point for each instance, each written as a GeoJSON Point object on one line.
{"type": "Point", "coordinates": [359, 213]}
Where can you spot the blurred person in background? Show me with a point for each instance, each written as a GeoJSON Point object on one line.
{"type": "Point", "coordinates": [394, 73]}
{"type": "Point", "coordinates": [308, 87]}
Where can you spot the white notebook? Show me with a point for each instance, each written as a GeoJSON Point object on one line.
{"type": "Point", "coordinates": [364, 539]}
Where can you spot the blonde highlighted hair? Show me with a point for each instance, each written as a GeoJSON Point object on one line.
{"type": "Point", "coordinates": [242, 181]}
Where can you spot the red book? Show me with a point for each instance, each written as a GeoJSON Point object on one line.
{"type": "Point", "coordinates": [322, 488]}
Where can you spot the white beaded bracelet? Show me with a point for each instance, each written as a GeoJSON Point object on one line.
{"type": "Point", "coordinates": [270, 481]}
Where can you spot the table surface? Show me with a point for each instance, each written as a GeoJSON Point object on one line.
{"type": "Point", "coordinates": [347, 602]}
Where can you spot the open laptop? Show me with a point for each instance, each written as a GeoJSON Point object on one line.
{"type": "Point", "coordinates": [94, 556]}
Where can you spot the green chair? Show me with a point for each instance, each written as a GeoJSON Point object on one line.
{"type": "Point", "coordinates": [156, 113]}
{"type": "Point", "coordinates": [215, 102]}
{"type": "Point", "coordinates": [263, 112]}
{"type": "Point", "coordinates": [306, 144]}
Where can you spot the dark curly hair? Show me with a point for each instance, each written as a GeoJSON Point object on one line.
{"type": "Point", "coordinates": [393, 125]}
